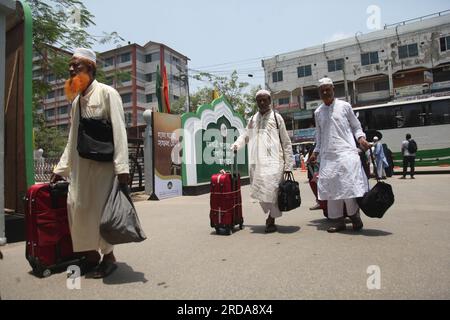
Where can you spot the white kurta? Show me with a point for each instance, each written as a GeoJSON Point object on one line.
{"type": "Point", "coordinates": [266, 155]}
{"type": "Point", "coordinates": [91, 181]}
{"type": "Point", "coordinates": [341, 175]}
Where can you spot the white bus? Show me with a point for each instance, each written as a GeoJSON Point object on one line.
{"type": "Point", "coordinates": [427, 120]}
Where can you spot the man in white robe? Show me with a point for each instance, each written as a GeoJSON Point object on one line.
{"type": "Point", "coordinates": [341, 176]}
{"type": "Point", "coordinates": [91, 181]}
{"type": "Point", "coordinates": [268, 158]}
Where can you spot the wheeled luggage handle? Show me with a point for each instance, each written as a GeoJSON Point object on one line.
{"type": "Point", "coordinates": [234, 165]}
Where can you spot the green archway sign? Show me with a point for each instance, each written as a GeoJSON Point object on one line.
{"type": "Point", "coordinates": [207, 137]}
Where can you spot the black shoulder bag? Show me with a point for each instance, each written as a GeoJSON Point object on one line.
{"type": "Point", "coordinates": [377, 200]}
{"type": "Point", "coordinates": [289, 189]}
{"type": "Point", "coordinates": [95, 138]}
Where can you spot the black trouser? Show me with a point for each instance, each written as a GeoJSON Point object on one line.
{"type": "Point", "coordinates": [411, 161]}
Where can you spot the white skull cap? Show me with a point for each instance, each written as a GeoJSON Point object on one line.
{"type": "Point", "coordinates": [85, 54]}
{"type": "Point", "coordinates": [262, 92]}
{"type": "Point", "coordinates": [325, 81]}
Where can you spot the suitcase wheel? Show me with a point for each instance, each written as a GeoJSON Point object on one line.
{"type": "Point", "coordinates": [229, 231]}
{"type": "Point", "coordinates": [46, 273]}
{"type": "Point", "coordinates": [218, 230]}
{"type": "Point", "coordinates": [241, 226]}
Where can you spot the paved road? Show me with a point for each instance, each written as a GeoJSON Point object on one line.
{"type": "Point", "coordinates": [185, 259]}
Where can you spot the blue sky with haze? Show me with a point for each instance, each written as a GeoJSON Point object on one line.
{"type": "Point", "coordinates": [220, 36]}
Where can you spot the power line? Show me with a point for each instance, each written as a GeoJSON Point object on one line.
{"type": "Point", "coordinates": [233, 62]}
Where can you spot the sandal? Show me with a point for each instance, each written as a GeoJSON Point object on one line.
{"type": "Point", "coordinates": [357, 223]}
{"type": "Point", "coordinates": [337, 228]}
{"type": "Point", "coordinates": [271, 228]}
{"type": "Point", "coordinates": [104, 269]}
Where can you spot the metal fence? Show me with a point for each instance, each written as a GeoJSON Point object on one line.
{"type": "Point", "coordinates": [43, 168]}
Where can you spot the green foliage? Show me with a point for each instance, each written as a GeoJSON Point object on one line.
{"type": "Point", "coordinates": [202, 96]}
{"type": "Point", "coordinates": [59, 26]}
{"type": "Point", "coordinates": [243, 102]}
{"type": "Point", "coordinates": [178, 106]}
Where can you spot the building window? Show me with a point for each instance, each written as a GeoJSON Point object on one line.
{"type": "Point", "coordinates": [369, 58]}
{"type": "Point", "coordinates": [445, 43]}
{"type": "Point", "coordinates": [51, 95]}
{"type": "Point", "coordinates": [176, 98]}
{"type": "Point", "coordinates": [125, 57]}
{"type": "Point", "coordinates": [381, 86]}
{"type": "Point", "coordinates": [149, 98]}
{"type": "Point", "coordinates": [282, 101]}
{"type": "Point", "coordinates": [335, 65]}
{"type": "Point", "coordinates": [50, 77]}
{"type": "Point", "coordinates": [63, 110]}
{"type": "Point", "coordinates": [277, 76]}
{"type": "Point", "coordinates": [149, 77]}
{"type": "Point", "coordinates": [126, 97]}
{"type": "Point", "coordinates": [140, 57]}
{"type": "Point", "coordinates": [304, 71]}
{"type": "Point", "coordinates": [151, 57]}
{"type": "Point", "coordinates": [49, 113]}
{"type": "Point", "coordinates": [108, 62]}
{"type": "Point", "coordinates": [175, 59]}
{"type": "Point", "coordinates": [408, 51]}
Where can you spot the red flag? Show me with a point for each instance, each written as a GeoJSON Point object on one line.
{"type": "Point", "coordinates": [166, 90]}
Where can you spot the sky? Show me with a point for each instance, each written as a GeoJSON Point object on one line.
{"type": "Point", "coordinates": [226, 35]}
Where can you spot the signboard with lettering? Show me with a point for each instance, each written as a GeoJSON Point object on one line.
{"type": "Point", "coordinates": [207, 138]}
{"type": "Point", "coordinates": [167, 158]}
{"type": "Point", "coordinates": [304, 135]}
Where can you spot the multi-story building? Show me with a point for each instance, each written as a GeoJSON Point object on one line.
{"type": "Point", "coordinates": [131, 70]}
{"type": "Point", "coordinates": [401, 61]}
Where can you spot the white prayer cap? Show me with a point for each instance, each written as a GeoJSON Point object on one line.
{"type": "Point", "coordinates": [85, 54]}
{"type": "Point", "coordinates": [375, 138]}
{"type": "Point", "coordinates": [325, 81]}
{"type": "Point", "coordinates": [262, 92]}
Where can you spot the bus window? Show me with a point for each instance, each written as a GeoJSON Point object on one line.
{"type": "Point", "coordinates": [440, 112]}
{"type": "Point", "coordinates": [399, 118]}
{"type": "Point", "coordinates": [415, 115]}
{"type": "Point", "coordinates": [382, 119]}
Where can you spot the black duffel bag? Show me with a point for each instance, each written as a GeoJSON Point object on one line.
{"type": "Point", "coordinates": [95, 139]}
{"type": "Point", "coordinates": [289, 193]}
{"type": "Point", "coordinates": [377, 200]}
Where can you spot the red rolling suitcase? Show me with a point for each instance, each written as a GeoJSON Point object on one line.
{"type": "Point", "coordinates": [226, 200]}
{"type": "Point", "coordinates": [48, 240]}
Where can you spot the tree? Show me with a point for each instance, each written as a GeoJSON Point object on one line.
{"type": "Point", "coordinates": [58, 26]}
{"type": "Point", "coordinates": [200, 97]}
{"type": "Point", "coordinates": [178, 106]}
{"type": "Point", "coordinates": [231, 88]}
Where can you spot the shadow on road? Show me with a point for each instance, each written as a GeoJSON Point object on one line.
{"type": "Point", "coordinates": [124, 274]}
{"type": "Point", "coordinates": [324, 224]}
{"type": "Point", "coordinates": [281, 229]}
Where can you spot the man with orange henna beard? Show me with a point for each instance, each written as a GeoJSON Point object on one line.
{"type": "Point", "coordinates": [91, 180]}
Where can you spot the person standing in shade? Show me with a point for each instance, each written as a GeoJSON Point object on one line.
{"type": "Point", "coordinates": [91, 181]}
{"type": "Point", "coordinates": [409, 149]}
{"type": "Point", "coordinates": [341, 176]}
{"type": "Point", "coordinates": [380, 158]}
{"type": "Point", "coordinates": [269, 158]}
